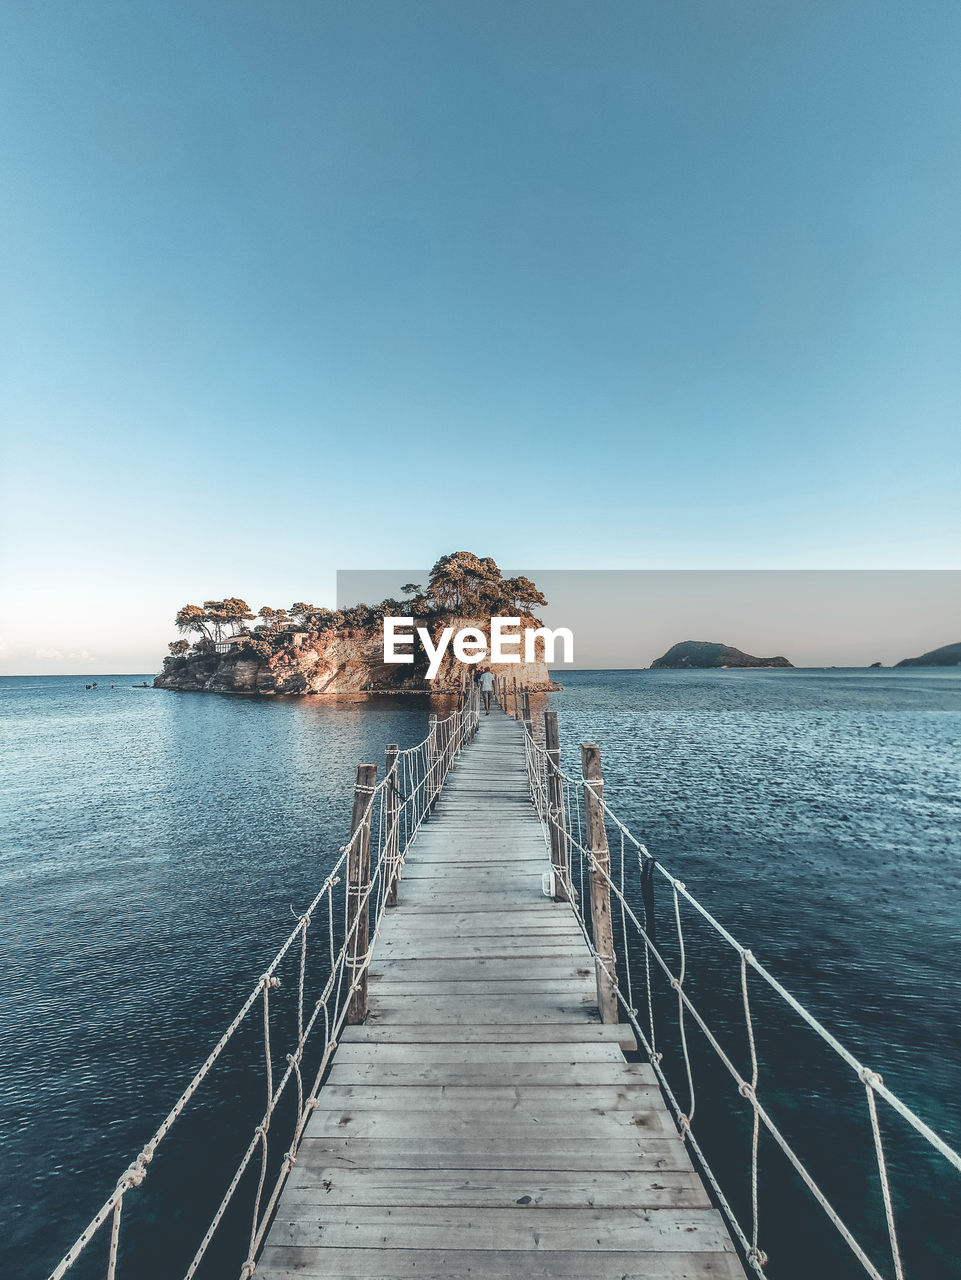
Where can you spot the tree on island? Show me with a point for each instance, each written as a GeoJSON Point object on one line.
{"type": "Point", "coordinates": [519, 595]}
{"type": "Point", "coordinates": [465, 584]}
{"type": "Point", "coordinates": [311, 617]}
{"type": "Point", "coordinates": [210, 619]}
{"type": "Point", "coordinates": [192, 618]}
{"type": "Point", "coordinates": [460, 584]}
{"type": "Point", "coordinates": [231, 613]}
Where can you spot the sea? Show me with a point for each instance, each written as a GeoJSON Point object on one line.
{"type": "Point", "coordinates": [156, 847]}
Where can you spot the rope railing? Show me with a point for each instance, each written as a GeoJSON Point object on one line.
{"type": "Point", "coordinates": [335, 935]}
{"type": "Point", "coordinates": [627, 871]}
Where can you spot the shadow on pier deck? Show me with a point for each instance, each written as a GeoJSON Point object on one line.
{"type": "Point", "coordinates": [483, 1122]}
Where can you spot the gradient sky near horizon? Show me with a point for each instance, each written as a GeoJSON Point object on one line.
{"type": "Point", "coordinates": [296, 287]}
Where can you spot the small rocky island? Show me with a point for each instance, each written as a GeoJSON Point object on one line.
{"type": "Point", "coordinates": [949, 655]}
{"type": "Point", "coordinates": [706, 655]}
{"type": "Point", "coordinates": [307, 649]}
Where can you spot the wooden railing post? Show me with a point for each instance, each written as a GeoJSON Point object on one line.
{"type": "Point", "coordinates": [556, 817]}
{"type": "Point", "coordinates": [392, 819]}
{"type": "Point", "coordinates": [517, 715]}
{"type": "Point", "coordinates": [358, 895]}
{"type": "Point", "coordinates": [430, 782]}
{"type": "Point", "coordinates": [444, 729]}
{"type": "Point", "coordinates": [526, 708]}
{"type": "Point", "coordinates": [601, 923]}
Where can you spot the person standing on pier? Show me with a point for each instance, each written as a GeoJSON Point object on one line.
{"type": "Point", "coordinates": [487, 688]}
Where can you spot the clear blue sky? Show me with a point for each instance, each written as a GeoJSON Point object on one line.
{"type": "Point", "coordinates": [296, 286]}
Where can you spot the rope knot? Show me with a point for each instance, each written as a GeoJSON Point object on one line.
{"type": "Point", "coordinates": [679, 884]}
{"type": "Point", "coordinates": [747, 1091]}
{"type": "Point", "coordinates": [270, 982]}
{"type": "Point", "coordinates": [684, 1125]}
{"type": "Point", "coordinates": [135, 1173]}
{"type": "Point", "coordinates": [870, 1078]}
{"type": "Point", "coordinates": [757, 1256]}
{"type": "Point", "coordinates": [246, 1271]}
{"type": "Point", "coordinates": [656, 1058]}
{"type": "Point", "coordinates": [747, 954]}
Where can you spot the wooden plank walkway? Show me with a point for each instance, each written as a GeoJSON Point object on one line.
{"type": "Point", "coordinates": [483, 1122]}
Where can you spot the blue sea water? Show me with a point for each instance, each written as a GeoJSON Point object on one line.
{"type": "Point", "coordinates": [817, 815]}
{"type": "Point", "coordinates": [154, 846]}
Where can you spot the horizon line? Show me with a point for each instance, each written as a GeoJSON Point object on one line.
{"type": "Point", "coordinates": [101, 675]}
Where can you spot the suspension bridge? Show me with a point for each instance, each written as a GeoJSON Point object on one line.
{"type": "Point", "coordinates": [452, 1096]}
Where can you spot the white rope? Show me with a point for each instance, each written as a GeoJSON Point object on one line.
{"type": "Point", "coordinates": [654, 961]}
{"type": "Point", "coordinates": [423, 768]}
{"type": "Point", "coordinates": [678, 985]}
{"type": "Point", "coordinates": [757, 1254]}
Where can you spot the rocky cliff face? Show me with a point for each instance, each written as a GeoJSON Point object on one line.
{"type": "Point", "coordinates": [334, 662]}
{"type": "Point", "coordinates": [704, 654]}
{"type": "Point", "coordinates": [331, 662]}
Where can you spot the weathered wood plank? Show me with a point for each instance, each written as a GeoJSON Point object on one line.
{"type": "Point", "coordinates": [489, 929]}
{"type": "Point", "coordinates": [511, 1100]}
{"type": "Point", "coordinates": [483, 1151]}
{"type": "Point", "coordinates": [449, 1052]}
{"type": "Point", "coordinates": [481, 857]}
{"type": "Point", "coordinates": [513, 928]}
{"type": "Point", "coordinates": [569, 989]}
{"type": "Point", "coordinates": [310, 1263]}
{"type": "Point", "coordinates": [496, 968]}
{"type": "Point", "coordinates": [507, 1129]}
{"type": "Point", "coordinates": [571, 1033]}
{"type": "Point", "coordinates": [446, 947]}
{"type": "Point", "coordinates": [543, 1075]}
{"type": "Point", "coordinates": [494, 938]}
{"type": "Point", "coordinates": [508, 1009]}
{"type": "Point", "coordinates": [499, 1189]}
{"type": "Point", "coordinates": [521, 1227]}
{"type": "Point", "coordinates": [448, 899]}
{"type": "Point", "coordinates": [490, 867]}
{"type": "Point", "coordinates": [457, 891]}
{"type": "Point", "coordinates": [491, 943]}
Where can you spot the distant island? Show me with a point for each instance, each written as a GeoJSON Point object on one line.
{"type": "Point", "coordinates": [705, 654]}
{"type": "Point", "coordinates": [949, 655]}
{"type": "Point", "coordinates": [311, 650]}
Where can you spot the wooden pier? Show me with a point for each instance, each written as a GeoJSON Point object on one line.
{"type": "Point", "coordinates": [483, 1122]}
